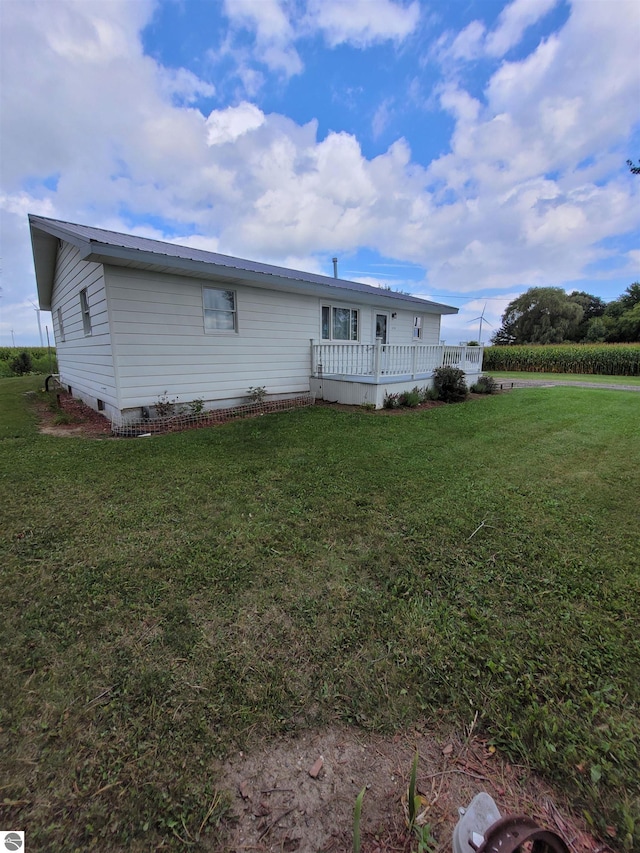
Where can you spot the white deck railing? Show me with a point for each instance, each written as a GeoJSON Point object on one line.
{"type": "Point", "coordinates": [385, 360]}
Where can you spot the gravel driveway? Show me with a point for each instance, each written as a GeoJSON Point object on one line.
{"type": "Point", "coordinates": [507, 384]}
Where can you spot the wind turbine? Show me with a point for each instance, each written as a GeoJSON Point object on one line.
{"type": "Point", "coordinates": [35, 308]}
{"type": "Point", "coordinates": [482, 320]}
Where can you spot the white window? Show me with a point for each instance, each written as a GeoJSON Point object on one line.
{"type": "Point", "coordinates": [417, 328]}
{"type": "Point", "coordinates": [339, 324]}
{"type": "Point", "coordinates": [220, 311]}
{"type": "Point", "coordinates": [60, 324]}
{"type": "Point", "coordinates": [84, 310]}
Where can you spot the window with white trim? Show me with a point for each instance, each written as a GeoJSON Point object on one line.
{"type": "Point", "coordinates": [339, 324]}
{"type": "Point", "coordinates": [84, 310]}
{"type": "Point", "coordinates": [60, 324]}
{"type": "Point", "coordinates": [220, 310]}
{"type": "Point", "coordinates": [417, 328]}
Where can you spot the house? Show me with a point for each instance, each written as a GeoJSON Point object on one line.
{"type": "Point", "coordinates": [136, 319]}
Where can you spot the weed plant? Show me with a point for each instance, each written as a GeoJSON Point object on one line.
{"type": "Point", "coordinates": [257, 394]}
{"type": "Point", "coordinates": [485, 385]}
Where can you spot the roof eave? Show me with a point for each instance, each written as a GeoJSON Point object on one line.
{"type": "Point", "coordinates": [45, 234]}
{"type": "Point", "coordinates": [109, 254]}
{"type": "Point", "coordinates": [44, 244]}
{"type": "Point", "coordinates": [45, 249]}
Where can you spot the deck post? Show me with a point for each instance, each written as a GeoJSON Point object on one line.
{"type": "Point", "coordinates": [316, 368]}
{"type": "Point", "coordinates": [414, 356]}
{"type": "Point", "coordinates": [377, 353]}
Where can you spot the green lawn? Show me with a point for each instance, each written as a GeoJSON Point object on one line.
{"type": "Point", "coordinates": [165, 600]}
{"type": "Point", "coordinates": [567, 377]}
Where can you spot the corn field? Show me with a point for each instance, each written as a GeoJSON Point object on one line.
{"type": "Point", "coordinates": [606, 359]}
{"type": "Point", "coordinates": [43, 360]}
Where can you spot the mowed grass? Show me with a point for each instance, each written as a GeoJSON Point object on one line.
{"type": "Point", "coordinates": [167, 600]}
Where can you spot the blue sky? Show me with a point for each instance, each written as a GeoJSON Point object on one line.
{"type": "Point", "coordinates": [460, 151]}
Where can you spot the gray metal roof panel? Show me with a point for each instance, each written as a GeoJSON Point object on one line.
{"type": "Point", "coordinates": [96, 237]}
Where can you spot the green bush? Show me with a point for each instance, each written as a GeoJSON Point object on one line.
{"type": "Point", "coordinates": [43, 360]}
{"type": "Point", "coordinates": [449, 382]}
{"type": "Point", "coordinates": [430, 393]}
{"type": "Point", "coordinates": [391, 401]}
{"type": "Point", "coordinates": [21, 364]}
{"type": "Point", "coordinates": [411, 399]}
{"type": "Point", "coordinates": [43, 363]}
{"type": "Point", "coordinates": [485, 385]}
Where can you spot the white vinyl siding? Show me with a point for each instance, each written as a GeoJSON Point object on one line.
{"type": "Point", "coordinates": [161, 342]}
{"type": "Point", "coordinates": [148, 335]}
{"type": "Point", "coordinates": [85, 363]}
{"type": "Point", "coordinates": [403, 328]}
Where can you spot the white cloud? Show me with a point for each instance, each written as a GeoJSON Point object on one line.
{"type": "Point", "coordinates": [512, 23]}
{"type": "Point", "coordinates": [469, 43]}
{"type": "Point", "coordinates": [363, 22]}
{"type": "Point", "coordinates": [233, 122]}
{"type": "Point", "coordinates": [382, 118]}
{"type": "Point", "coordinates": [278, 25]}
{"type": "Point", "coordinates": [184, 85]}
{"type": "Point", "coordinates": [274, 33]}
{"type": "Point", "coordinates": [542, 116]}
{"type": "Point", "coordinates": [475, 41]}
{"type": "Point", "coordinates": [506, 207]}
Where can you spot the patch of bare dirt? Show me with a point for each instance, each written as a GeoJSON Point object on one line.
{"type": "Point", "coordinates": [297, 793]}
{"type": "Point", "coordinates": [72, 418]}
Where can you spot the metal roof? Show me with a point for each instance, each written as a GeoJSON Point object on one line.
{"type": "Point", "coordinates": [113, 247]}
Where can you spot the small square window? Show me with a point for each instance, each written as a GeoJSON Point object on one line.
{"type": "Point", "coordinates": [220, 312]}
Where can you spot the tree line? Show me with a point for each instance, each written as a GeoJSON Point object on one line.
{"type": "Point", "coordinates": [549, 315]}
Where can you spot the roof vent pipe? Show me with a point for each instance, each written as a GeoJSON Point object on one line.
{"type": "Point", "coordinates": [335, 267]}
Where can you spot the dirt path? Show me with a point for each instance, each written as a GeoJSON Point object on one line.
{"type": "Point", "coordinates": [297, 793]}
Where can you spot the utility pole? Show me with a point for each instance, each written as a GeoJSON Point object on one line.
{"type": "Point", "coordinates": [13, 338]}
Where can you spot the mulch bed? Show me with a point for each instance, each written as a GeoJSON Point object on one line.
{"type": "Point", "coordinates": [83, 420]}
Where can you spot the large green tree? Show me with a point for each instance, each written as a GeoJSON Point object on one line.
{"type": "Point", "coordinates": [593, 307]}
{"type": "Point", "coordinates": [541, 315]}
{"type": "Point", "coordinates": [622, 316]}
{"type": "Point", "coordinates": [548, 315]}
